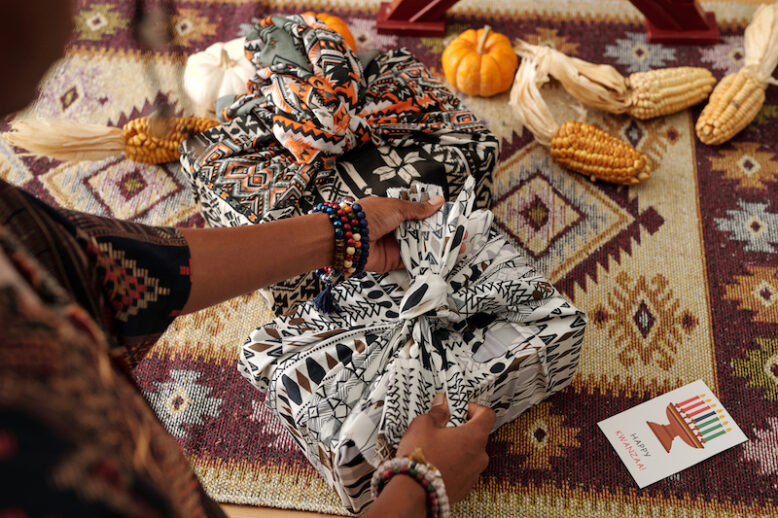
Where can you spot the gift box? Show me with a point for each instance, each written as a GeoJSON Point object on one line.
{"type": "Point", "coordinates": [321, 123]}
{"type": "Point", "coordinates": [481, 325]}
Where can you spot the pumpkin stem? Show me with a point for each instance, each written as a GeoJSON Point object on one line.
{"type": "Point", "coordinates": [482, 40]}
{"type": "Point", "coordinates": [225, 61]}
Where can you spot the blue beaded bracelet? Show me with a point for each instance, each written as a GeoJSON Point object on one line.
{"type": "Point", "coordinates": [331, 274]}
{"type": "Point", "coordinates": [352, 247]}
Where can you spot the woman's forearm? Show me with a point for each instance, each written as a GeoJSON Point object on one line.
{"type": "Point", "coordinates": [227, 262]}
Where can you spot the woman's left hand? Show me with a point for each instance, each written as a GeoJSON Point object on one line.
{"type": "Point", "coordinates": [384, 215]}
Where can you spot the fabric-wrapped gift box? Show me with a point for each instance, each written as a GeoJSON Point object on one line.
{"type": "Point", "coordinates": [320, 123]}
{"type": "Point", "coordinates": [480, 326]}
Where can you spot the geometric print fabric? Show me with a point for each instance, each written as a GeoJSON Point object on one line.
{"type": "Point", "coordinates": [320, 123]}
{"type": "Point", "coordinates": [480, 325]}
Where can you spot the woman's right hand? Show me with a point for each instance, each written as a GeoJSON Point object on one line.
{"type": "Point", "coordinates": [459, 452]}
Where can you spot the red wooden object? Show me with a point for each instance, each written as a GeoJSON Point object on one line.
{"type": "Point", "coordinates": [678, 22]}
{"type": "Point", "coordinates": [667, 21]}
{"type": "Point", "coordinates": [413, 17]}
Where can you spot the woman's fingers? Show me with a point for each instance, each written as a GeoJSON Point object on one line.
{"type": "Point", "coordinates": [458, 452]}
{"type": "Point", "coordinates": [420, 209]}
{"type": "Point", "coordinates": [480, 421]}
{"type": "Point", "coordinates": [439, 411]}
{"type": "Point", "coordinates": [464, 245]}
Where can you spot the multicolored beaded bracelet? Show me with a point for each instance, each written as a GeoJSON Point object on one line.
{"type": "Point", "coordinates": [352, 247]}
{"type": "Point", "coordinates": [416, 467]}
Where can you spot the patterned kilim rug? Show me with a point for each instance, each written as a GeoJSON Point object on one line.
{"type": "Point", "coordinates": [679, 275]}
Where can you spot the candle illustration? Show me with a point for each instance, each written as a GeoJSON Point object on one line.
{"type": "Point", "coordinates": [696, 421]}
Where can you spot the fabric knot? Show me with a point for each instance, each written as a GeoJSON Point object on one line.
{"type": "Point", "coordinates": [307, 85]}
{"type": "Point", "coordinates": [428, 292]}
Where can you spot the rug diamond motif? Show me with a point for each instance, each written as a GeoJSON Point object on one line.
{"type": "Point", "coordinates": [766, 294]}
{"type": "Point", "coordinates": [659, 318]}
{"type": "Point", "coordinates": [633, 132]}
{"type": "Point", "coordinates": [539, 440]}
{"type": "Point", "coordinates": [644, 319]}
{"type": "Point", "coordinates": [69, 98]}
{"type": "Point", "coordinates": [122, 188]}
{"type": "Point", "coordinates": [557, 217]}
{"type": "Point", "coordinates": [541, 213]}
{"type": "Point", "coordinates": [759, 367]}
{"type": "Point", "coordinates": [748, 163]}
{"type": "Point", "coordinates": [756, 291]}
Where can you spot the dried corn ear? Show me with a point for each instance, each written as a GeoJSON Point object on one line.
{"type": "Point", "coordinates": [738, 97]}
{"type": "Point", "coordinates": [643, 95]}
{"type": "Point", "coordinates": [156, 140]}
{"type": "Point", "coordinates": [581, 147]}
{"type": "Point", "coordinates": [667, 90]}
{"type": "Point", "coordinates": [732, 106]}
{"type": "Point", "coordinates": [151, 140]}
{"type": "Point", "coordinates": [592, 152]}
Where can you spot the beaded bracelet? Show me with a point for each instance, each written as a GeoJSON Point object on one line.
{"type": "Point", "coordinates": [416, 467]}
{"type": "Point", "coordinates": [352, 246]}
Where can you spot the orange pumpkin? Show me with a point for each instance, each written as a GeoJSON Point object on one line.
{"type": "Point", "coordinates": [337, 25]}
{"type": "Point", "coordinates": [480, 62]}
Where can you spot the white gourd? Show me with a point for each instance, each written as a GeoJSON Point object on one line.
{"type": "Point", "coordinates": [221, 69]}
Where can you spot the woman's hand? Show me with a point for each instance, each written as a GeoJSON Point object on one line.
{"type": "Point", "coordinates": [384, 215]}
{"type": "Point", "coordinates": [459, 454]}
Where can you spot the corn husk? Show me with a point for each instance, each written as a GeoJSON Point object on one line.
{"type": "Point", "coordinates": [598, 86]}
{"type": "Point", "coordinates": [528, 104]}
{"type": "Point", "coordinates": [642, 95]}
{"type": "Point", "coordinates": [761, 44]}
{"type": "Point", "coordinates": [66, 140]}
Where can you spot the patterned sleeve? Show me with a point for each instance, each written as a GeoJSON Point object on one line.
{"type": "Point", "coordinates": [71, 426]}
{"type": "Point", "coordinates": [133, 279]}
{"type": "Point", "coordinates": [143, 272]}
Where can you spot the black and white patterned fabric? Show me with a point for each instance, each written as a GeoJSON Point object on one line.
{"type": "Point", "coordinates": [479, 326]}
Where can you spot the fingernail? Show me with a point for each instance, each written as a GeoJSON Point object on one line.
{"type": "Point", "coordinates": [436, 200]}
{"type": "Point", "coordinates": [440, 399]}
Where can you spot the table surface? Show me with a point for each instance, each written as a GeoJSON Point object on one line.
{"type": "Point", "coordinates": [247, 511]}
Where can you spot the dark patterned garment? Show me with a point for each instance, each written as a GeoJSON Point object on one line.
{"type": "Point", "coordinates": [321, 123]}
{"type": "Point", "coordinates": [81, 300]}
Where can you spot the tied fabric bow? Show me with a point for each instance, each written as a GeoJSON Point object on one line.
{"type": "Point", "coordinates": [479, 326]}
{"type": "Point", "coordinates": [431, 254]}
{"type": "Point", "coordinates": [306, 88]}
